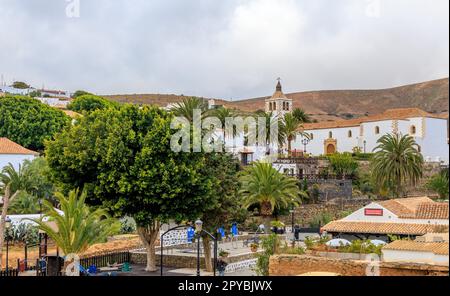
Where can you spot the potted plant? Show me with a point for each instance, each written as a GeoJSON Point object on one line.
{"type": "Point", "coordinates": [254, 247]}
{"type": "Point", "coordinates": [223, 254]}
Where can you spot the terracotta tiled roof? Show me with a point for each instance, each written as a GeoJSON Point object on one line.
{"type": "Point", "coordinates": [9, 147]}
{"type": "Point", "coordinates": [390, 114]}
{"type": "Point", "coordinates": [405, 207]}
{"type": "Point", "coordinates": [379, 228]}
{"type": "Point", "coordinates": [404, 245]}
{"type": "Point", "coordinates": [432, 210]}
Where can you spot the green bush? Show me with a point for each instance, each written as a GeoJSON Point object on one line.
{"type": "Point", "coordinates": [127, 225]}
{"type": "Point", "coordinates": [270, 246]}
{"type": "Point", "coordinates": [321, 219]}
{"type": "Point", "coordinates": [22, 234]}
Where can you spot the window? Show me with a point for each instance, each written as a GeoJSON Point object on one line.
{"type": "Point", "coordinates": [311, 136]}
{"type": "Point", "coordinates": [350, 134]}
{"type": "Point", "coordinates": [330, 135]}
{"type": "Point", "coordinates": [419, 148]}
{"type": "Point", "coordinates": [377, 130]}
{"type": "Point", "coordinates": [413, 130]}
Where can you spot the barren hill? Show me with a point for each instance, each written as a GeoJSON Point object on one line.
{"type": "Point", "coordinates": [431, 96]}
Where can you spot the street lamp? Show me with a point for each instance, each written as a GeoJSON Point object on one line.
{"type": "Point", "coordinates": [305, 142]}
{"type": "Point", "coordinates": [198, 230]}
{"type": "Point", "coordinates": [365, 142]}
{"type": "Point", "coordinates": [292, 220]}
{"type": "Point", "coordinates": [7, 227]}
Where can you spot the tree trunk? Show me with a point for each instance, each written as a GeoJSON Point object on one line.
{"type": "Point", "coordinates": [148, 236]}
{"type": "Point", "coordinates": [266, 213]}
{"type": "Point", "coordinates": [289, 147]}
{"type": "Point", "coordinates": [207, 253]}
{"type": "Point", "coordinates": [6, 201]}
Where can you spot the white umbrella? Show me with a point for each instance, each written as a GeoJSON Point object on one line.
{"type": "Point", "coordinates": [338, 242]}
{"type": "Point", "coordinates": [377, 242]}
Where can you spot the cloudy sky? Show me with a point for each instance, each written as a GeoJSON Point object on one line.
{"type": "Point", "coordinates": [228, 49]}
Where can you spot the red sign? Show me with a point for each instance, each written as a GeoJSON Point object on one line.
{"type": "Point", "coordinates": [373, 212]}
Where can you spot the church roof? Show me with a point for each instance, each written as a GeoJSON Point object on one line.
{"type": "Point", "coordinates": [390, 114]}
{"type": "Point", "coordinates": [278, 94]}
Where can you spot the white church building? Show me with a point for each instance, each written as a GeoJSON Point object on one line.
{"type": "Point", "coordinates": [429, 131]}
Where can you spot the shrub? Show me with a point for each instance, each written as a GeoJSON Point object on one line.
{"type": "Point", "coordinates": [270, 246]}
{"type": "Point", "coordinates": [321, 219]}
{"type": "Point", "coordinates": [22, 234]}
{"type": "Point", "coordinates": [127, 225]}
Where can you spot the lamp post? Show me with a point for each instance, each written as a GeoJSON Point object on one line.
{"type": "Point", "coordinates": [292, 219]}
{"type": "Point", "coordinates": [305, 142]}
{"type": "Point", "coordinates": [365, 142]}
{"type": "Point", "coordinates": [198, 231]}
{"type": "Point", "coordinates": [7, 226]}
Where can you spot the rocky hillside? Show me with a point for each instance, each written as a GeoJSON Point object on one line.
{"type": "Point", "coordinates": [431, 96]}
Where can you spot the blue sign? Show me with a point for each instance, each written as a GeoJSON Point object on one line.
{"type": "Point", "coordinates": [190, 234]}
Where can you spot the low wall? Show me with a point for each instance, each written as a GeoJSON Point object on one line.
{"type": "Point", "coordinates": [293, 265]}
{"type": "Point", "coordinates": [180, 261]}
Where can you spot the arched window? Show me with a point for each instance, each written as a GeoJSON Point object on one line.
{"type": "Point", "coordinates": [413, 130]}
{"type": "Point", "coordinates": [419, 148]}
{"type": "Point", "coordinates": [284, 105]}
{"type": "Point", "coordinates": [311, 136]}
{"type": "Point", "coordinates": [350, 134]}
{"type": "Point", "coordinates": [377, 130]}
{"type": "Point", "coordinates": [330, 135]}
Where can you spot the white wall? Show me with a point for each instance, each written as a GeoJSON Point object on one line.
{"type": "Point", "coordinates": [359, 215]}
{"type": "Point", "coordinates": [15, 159]}
{"type": "Point", "coordinates": [388, 216]}
{"type": "Point", "coordinates": [316, 145]}
{"type": "Point", "coordinates": [414, 256]}
{"type": "Point", "coordinates": [434, 144]}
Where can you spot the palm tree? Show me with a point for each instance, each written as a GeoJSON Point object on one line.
{"type": "Point", "coordinates": [273, 128]}
{"type": "Point", "coordinates": [290, 129]}
{"type": "Point", "coordinates": [186, 107]}
{"type": "Point", "coordinates": [397, 162]}
{"type": "Point", "coordinates": [439, 183]}
{"type": "Point", "coordinates": [13, 183]}
{"type": "Point", "coordinates": [301, 115]}
{"type": "Point", "coordinates": [78, 227]}
{"type": "Point", "coordinates": [264, 185]}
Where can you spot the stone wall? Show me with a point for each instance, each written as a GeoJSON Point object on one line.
{"type": "Point", "coordinates": [332, 189]}
{"type": "Point", "coordinates": [306, 212]}
{"type": "Point", "coordinates": [182, 261]}
{"type": "Point", "coordinates": [293, 265]}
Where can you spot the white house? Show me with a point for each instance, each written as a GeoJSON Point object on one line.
{"type": "Point", "coordinates": [404, 217]}
{"type": "Point", "coordinates": [11, 152]}
{"type": "Point", "coordinates": [432, 248]}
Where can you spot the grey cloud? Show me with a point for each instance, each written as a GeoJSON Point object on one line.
{"type": "Point", "coordinates": [229, 49]}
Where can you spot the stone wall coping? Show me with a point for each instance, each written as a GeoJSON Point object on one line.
{"type": "Point", "coordinates": [398, 265]}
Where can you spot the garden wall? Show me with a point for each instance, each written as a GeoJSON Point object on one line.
{"type": "Point", "coordinates": [293, 265]}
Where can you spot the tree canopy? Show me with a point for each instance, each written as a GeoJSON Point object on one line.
{"type": "Point", "coordinates": [20, 85]}
{"type": "Point", "coordinates": [397, 162]}
{"type": "Point", "coordinates": [123, 158]}
{"type": "Point", "coordinates": [90, 103]}
{"type": "Point", "coordinates": [28, 122]}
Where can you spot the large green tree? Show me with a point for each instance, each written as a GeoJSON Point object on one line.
{"type": "Point", "coordinates": [343, 164]}
{"type": "Point", "coordinates": [226, 203]}
{"type": "Point", "coordinates": [29, 122]}
{"type": "Point", "coordinates": [396, 163]}
{"type": "Point", "coordinates": [90, 103]}
{"type": "Point", "coordinates": [290, 129]}
{"type": "Point", "coordinates": [123, 158]}
{"type": "Point", "coordinates": [263, 185]}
